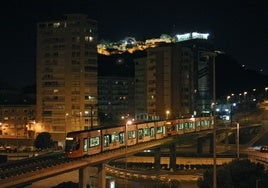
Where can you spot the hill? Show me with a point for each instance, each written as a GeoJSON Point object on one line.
{"type": "Point", "coordinates": [231, 77]}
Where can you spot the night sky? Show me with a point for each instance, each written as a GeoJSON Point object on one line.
{"type": "Point", "coordinates": [239, 28]}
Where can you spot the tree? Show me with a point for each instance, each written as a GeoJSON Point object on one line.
{"type": "Point", "coordinates": [43, 141]}
{"type": "Point", "coordinates": [236, 174]}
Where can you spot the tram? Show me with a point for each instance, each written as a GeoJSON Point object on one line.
{"type": "Point", "coordinates": [100, 139]}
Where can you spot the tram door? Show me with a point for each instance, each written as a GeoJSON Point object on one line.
{"type": "Point", "coordinates": [152, 134]}
{"type": "Point", "coordinates": [106, 141]}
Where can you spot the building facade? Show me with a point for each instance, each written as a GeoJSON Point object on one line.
{"type": "Point", "coordinates": [16, 120]}
{"type": "Point", "coordinates": [141, 89]}
{"type": "Point", "coordinates": [116, 98]}
{"type": "Point", "coordinates": [66, 71]}
{"type": "Point", "coordinates": [175, 80]}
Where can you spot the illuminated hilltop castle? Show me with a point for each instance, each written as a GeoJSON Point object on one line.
{"type": "Point", "coordinates": [130, 44]}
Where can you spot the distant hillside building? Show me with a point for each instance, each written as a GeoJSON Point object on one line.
{"type": "Point", "coordinates": [174, 80]}
{"type": "Point", "coordinates": [66, 70]}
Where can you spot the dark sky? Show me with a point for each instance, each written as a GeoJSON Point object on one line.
{"type": "Point", "coordinates": [239, 28]}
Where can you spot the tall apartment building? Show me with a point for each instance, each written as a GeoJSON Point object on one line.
{"type": "Point", "coordinates": [141, 89]}
{"type": "Point", "coordinates": [175, 80]}
{"type": "Point", "coordinates": [116, 98]}
{"type": "Point", "coordinates": [66, 68]}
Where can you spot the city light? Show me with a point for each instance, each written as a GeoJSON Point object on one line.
{"type": "Point", "coordinates": [167, 114]}
{"type": "Point", "coordinates": [129, 122]}
{"type": "Point", "coordinates": [130, 44]}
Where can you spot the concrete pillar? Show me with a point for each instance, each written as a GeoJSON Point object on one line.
{"type": "Point", "coordinates": [211, 143]}
{"type": "Point", "coordinates": [102, 176]}
{"type": "Point", "coordinates": [157, 158]}
{"type": "Point", "coordinates": [84, 176]}
{"type": "Point", "coordinates": [173, 156]}
{"type": "Point", "coordinates": [200, 145]}
{"type": "Point", "coordinates": [226, 137]}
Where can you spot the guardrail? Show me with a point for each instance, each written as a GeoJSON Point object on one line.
{"type": "Point", "coordinates": [259, 158]}
{"type": "Point", "coordinates": [163, 175]}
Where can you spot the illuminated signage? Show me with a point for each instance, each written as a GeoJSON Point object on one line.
{"type": "Point", "coordinates": [193, 35]}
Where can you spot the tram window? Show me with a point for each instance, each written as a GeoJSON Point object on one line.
{"type": "Point", "coordinates": [95, 141]}
{"type": "Point", "coordinates": [85, 144]}
{"type": "Point", "coordinates": [172, 127]}
{"type": "Point", "coordinates": [107, 140]}
{"type": "Point", "coordinates": [77, 145]}
{"type": "Point", "coordinates": [191, 125]}
{"type": "Point", "coordinates": [131, 134]}
{"type": "Point", "coordinates": [180, 126]}
{"type": "Point", "coordinates": [146, 132]}
{"type": "Point", "coordinates": [140, 134]}
{"type": "Point", "coordinates": [115, 137]}
{"type": "Point", "coordinates": [121, 138]}
{"type": "Point", "coordinates": [186, 126]}
{"type": "Point", "coordinates": [159, 129]}
{"type": "Point", "coordinates": [152, 132]}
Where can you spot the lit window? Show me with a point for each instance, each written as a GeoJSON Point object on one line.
{"type": "Point", "coordinates": [56, 25]}
{"type": "Point", "coordinates": [88, 38]}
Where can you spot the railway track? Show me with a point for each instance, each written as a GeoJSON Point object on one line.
{"type": "Point", "coordinates": [23, 166]}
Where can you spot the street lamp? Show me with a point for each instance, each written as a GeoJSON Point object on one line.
{"type": "Point", "coordinates": [167, 113]}
{"type": "Point", "coordinates": [129, 122]}
{"type": "Point", "coordinates": [232, 112]}
{"type": "Point", "coordinates": [245, 96]}
{"type": "Point", "coordinates": [66, 117]}
{"type": "Point", "coordinates": [214, 127]}
{"type": "Point", "coordinates": [237, 139]}
{"type": "Point", "coordinates": [213, 55]}
{"type": "Point", "coordinates": [228, 98]}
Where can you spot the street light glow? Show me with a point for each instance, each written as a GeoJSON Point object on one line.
{"type": "Point", "coordinates": [129, 122]}
{"type": "Point", "coordinates": [167, 113]}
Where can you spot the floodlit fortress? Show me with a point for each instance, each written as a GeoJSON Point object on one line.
{"type": "Point", "coordinates": [130, 44]}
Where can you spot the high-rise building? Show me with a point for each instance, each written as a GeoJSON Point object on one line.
{"type": "Point", "coordinates": [116, 98]}
{"type": "Point", "coordinates": [141, 89]}
{"type": "Point", "coordinates": [174, 81]}
{"type": "Point", "coordinates": [67, 80]}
